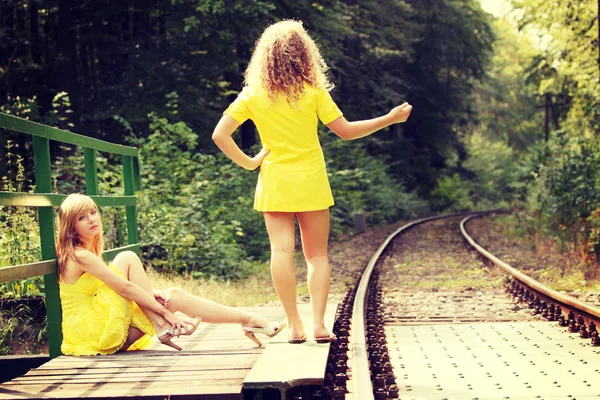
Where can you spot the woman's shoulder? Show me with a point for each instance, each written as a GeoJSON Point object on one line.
{"type": "Point", "coordinates": [84, 256]}
{"type": "Point", "coordinates": [315, 91]}
{"type": "Point", "coordinates": [249, 92]}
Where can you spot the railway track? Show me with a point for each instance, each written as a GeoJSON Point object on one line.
{"type": "Point", "coordinates": [421, 342]}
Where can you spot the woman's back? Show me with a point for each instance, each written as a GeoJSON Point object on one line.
{"type": "Point", "coordinates": [287, 129]}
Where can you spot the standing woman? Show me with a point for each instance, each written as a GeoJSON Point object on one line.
{"type": "Point", "coordinates": [286, 92]}
{"type": "Point", "coordinates": [110, 308]}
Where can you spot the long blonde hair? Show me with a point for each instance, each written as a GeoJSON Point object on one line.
{"type": "Point", "coordinates": [284, 58]}
{"type": "Point", "coordinates": [67, 239]}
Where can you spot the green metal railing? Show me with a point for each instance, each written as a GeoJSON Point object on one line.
{"type": "Point", "coordinates": [45, 200]}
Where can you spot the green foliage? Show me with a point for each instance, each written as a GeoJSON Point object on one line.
{"type": "Point", "coordinates": [194, 213]}
{"type": "Point", "coordinates": [58, 116]}
{"type": "Point", "coordinates": [451, 53]}
{"type": "Point", "coordinates": [121, 62]}
{"type": "Point", "coordinates": [25, 288]}
{"type": "Point", "coordinates": [498, 173]}
{"type": "Point", "coordinates": [362, 183]}
{"type": "Point", "coordinates": [568, 66]}
{"type": "Point", "coordinates": [452, 193]}
{"type": "Point", "coordinates": [572, 179]}
{"type": "Point", "coordinates": [491, 176]}
{"type": "Point", "coordinates": [19, 233]}
{"type": "Point", "coordinates": [505, 100]}
{"type": "Point", "coordinates": [563, 200]}
{"type": "Point", "coordinates": [19, 323]}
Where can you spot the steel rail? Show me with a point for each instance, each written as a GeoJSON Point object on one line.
{"type": "Point", "coordinates": [566, 300]}
{"type": "Point", "coordinates": [361, 376]}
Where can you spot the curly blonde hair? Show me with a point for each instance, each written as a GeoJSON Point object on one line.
{"type": "Point", "coordinates": [284, 58]}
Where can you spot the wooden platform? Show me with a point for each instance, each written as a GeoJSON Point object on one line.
{"type": "Point", "coordinates": [283, 366]}
{"type": "Point", "coordinates": [214, 363]}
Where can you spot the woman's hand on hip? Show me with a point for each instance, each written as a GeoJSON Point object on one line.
{"type": "Point", "coordinates": [258, 159]}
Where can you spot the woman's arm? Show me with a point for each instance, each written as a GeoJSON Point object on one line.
{"type": "Point", "coordinates": [91, 263]}
{"type": "Point", "coordinates": [358, 129]}
{"type": "Point", "coordinates": [222, 138]}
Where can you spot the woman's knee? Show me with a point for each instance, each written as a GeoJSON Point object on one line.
{"type": "Point", "coordinates": [281, 229]}
{"type": "Point", "coordinates": [174, 292]}
{"type": "Point", "coordinates": [127, 257]}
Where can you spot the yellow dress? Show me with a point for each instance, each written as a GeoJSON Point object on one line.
{"type": "Point", "coordinates": [96, 320]}
{"type": "Point", "coordinates": [293, 176]}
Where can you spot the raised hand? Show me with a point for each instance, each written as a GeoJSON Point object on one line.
{"type": "Point", "coordinates": [400, 113]}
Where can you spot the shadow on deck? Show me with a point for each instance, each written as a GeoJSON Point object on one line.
{"type": "Point", "coordinates": [217, 362]}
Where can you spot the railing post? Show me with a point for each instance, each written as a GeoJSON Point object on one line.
{"type": "Point", "coordinates": [43, 184]}
{"type": "Point", "coordinates": [129, 188]}
{"type": "Point", "coordinates": [91, 171]}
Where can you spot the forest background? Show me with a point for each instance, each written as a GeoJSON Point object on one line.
{"type": "Point", "coordinates": [506, 114]}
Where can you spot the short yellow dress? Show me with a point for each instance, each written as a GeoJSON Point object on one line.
{"type": "Point", "coordinates": [293, 177]}
{"type": "Point", "coordinates": [96, 319]}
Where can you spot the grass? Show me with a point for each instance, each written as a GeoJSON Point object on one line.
{"type": "Point", "coordinates": [559, 265]}
{"type": "Point", "coordinates": [21, 333]}
{"type": "Point", "coordinates": [257, 289]}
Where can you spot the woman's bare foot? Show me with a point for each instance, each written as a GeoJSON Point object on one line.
{"type": "Point", "coordinates": [255, 321]}
{"type": "Point", "coordinates": [321, 333]}
{"type": "Point", "coordinates": [297, 333]}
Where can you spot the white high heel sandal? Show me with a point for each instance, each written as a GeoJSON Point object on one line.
{"type": "Point", "coordinates": [272, 330]}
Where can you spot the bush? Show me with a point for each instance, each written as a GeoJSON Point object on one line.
{"type": "Point", "coordinates": [491, 176]}
{"type": "Point", "coordinates": [361, 183]}
{"type": "Point", "coordinates": [19, 238]}
{"type": "Point", "coordinates": [194, 213]}
{"type": "Point", "coordinates": [452, 193]}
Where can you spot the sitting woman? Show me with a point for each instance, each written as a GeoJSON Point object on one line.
{"type": "Point", "coordinates": [110, 308]}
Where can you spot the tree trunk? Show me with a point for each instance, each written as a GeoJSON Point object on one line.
{"type": "Point", "coordinates": [547, 119]}
{"type": "Point", "coordinates": [554, 114]}
{"type": "Point", "coordinates": [67, 62]}
{"type": "Point", "coordinates": [34, 33]}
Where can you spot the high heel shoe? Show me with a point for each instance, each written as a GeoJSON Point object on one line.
{"type": "Point", "coordinates": [271, 330]}
{"type": "Point", "coordinates": [165, 338]}
{"type": "Point", "coordinates": [188, 332]}
{"type": "Point", "coordinates": [167, 335]}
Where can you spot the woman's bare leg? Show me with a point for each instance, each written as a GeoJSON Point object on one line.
{"type": "Point", "coordinates": [281, 229]}
{"type": "Point", "coordinates": [193, 306]}
{"type": "Point", "coordinates": [210, 311]}
{"type": "Point", "coordinates": [133, 336]}
{"type": "Point", "coordinates": [314, 229]}
{"type": "Point", "coordinates": [130, 264]}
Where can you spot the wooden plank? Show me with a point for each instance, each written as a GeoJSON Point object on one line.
{"type": "Point", "coordinates": [216, 364]}
{"type": "Point", "coordinates": [221, 390]}
{"type": "Point", "coordinates": [283, 365]}
{"type": "Point", "coordinates": [194, 375]}
{"type": "Point", "coordinates": [17, 272]}
{"type": "Point", "coordinates": [207, 360]}
{"type": "Point", "coordinates": [212, 366]}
